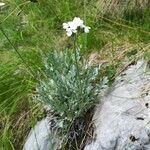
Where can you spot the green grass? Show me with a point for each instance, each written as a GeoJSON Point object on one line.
{"type": "Point", "coordinates": [15, 108]}
{"type": "Point", "coordinates": [32, 20]}
{"type": "Point", "coordinates": [37, 27]}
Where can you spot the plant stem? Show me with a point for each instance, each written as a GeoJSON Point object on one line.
{"type": "Point", "coordinates": [76, 57]}
{"type": "Point", "coordinates": [16, 50]}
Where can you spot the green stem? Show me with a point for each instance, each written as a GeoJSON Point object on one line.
{"type": "Point", "coordinates": [75, 55]}
{"type": "Point", "coordinates": [18, 53]}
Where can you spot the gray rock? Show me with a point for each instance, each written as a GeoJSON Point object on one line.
{"type": "Point", "coordinates": [122, 119]}
{"type": "Point", "coordinates": [41, 138]}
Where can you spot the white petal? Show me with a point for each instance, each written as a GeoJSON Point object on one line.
{"type": "Point", "coordinates": [68, 30]}
{"type": "Point", "coordinates": [65, 25]}
{"type": "Point", "coordinates": [2, 4]}
{"type": "Point", "coordinates": [69, 34]}
{"type": "Point", "coordinates": [72, 25]}
{"type": "Point", "coordinates": [78, 21]}
{"type": "Point", "coordinates": [87, 29]}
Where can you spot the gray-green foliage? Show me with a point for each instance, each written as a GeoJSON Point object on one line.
{"type": "Point", "coordinates": [69, 86]}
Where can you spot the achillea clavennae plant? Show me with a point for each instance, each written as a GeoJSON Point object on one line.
{"type": "Point", "coordinates": [69, 87]}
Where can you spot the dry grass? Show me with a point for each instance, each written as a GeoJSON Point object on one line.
{"type": "Point", "coordinates": [116, 58]}
{"type": "Point", "coordinates": [118, 8]}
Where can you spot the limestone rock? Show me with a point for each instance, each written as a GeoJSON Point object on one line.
{"type": "Point", "coordinates": [122, 119]}
{"type": "Point", "coordinates": [41, 138]}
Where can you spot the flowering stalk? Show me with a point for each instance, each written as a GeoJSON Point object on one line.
{"type": "Point", "coordinates": [72, 28]}
{"type": "Point", "coordinates": [75, 55]}
{"type": "Point", "coordinates": [18, 53]}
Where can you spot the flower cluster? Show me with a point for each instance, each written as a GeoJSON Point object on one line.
{"type": "Point", "coordinates": [72, 26]}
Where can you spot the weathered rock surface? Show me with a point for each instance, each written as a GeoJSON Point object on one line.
{"type": "Point", "coordinates": [122, 119]}
{"type": "Point", "coordinates": [40, 137]}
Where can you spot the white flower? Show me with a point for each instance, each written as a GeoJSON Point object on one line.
{"type": "Point", "coordinates": [87, 29]}
{"type": "Point", "coordinates": [2, 4]}
{"type": "Point", "coordinates": [72, 27]}
{"type": "Point", "coordinates": [78, 21]}
{"type": "Point", "coordinates": [65, 25]}
{"type": "Point", "coordinates": [69, 32]}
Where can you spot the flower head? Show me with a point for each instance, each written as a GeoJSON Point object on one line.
{"type": "Point", "coordinates": [78, 21]}
{"type": "Point", "coordinates": [72, 27]}
{"type": "Point", "coordinates": [65, 25]}
{"type": "Point", "coordinates": [69, 32]}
